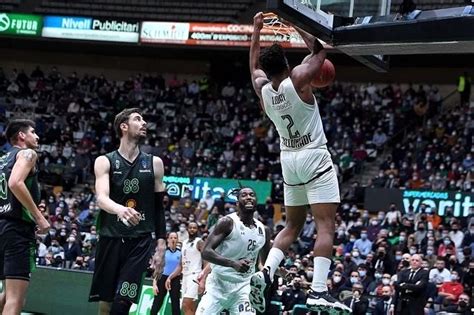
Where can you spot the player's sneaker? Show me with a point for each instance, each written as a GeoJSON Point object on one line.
{"type": "Point", "coordinates": [259, 284]}
{"type": "Point", "coordinates": [323, 301]}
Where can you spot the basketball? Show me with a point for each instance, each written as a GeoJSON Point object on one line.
{"type": "Point", "coordinates": [325, 76]}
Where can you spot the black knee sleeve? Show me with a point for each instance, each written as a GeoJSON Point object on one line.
{"type": "Point", "coordinates": [120, 307]}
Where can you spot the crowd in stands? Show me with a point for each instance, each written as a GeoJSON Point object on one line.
{"type": "Point", "coordinates": [200, 128]}
{"type": "Point", "coordinates": [437, 155]}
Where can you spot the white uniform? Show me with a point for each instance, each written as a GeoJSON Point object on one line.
{"type": "Point", "coordinates": [192, 266]}
{"type": "Point", "coordinates": [306, 163]}
{"type": "Point", "coordinates": [225, 287]}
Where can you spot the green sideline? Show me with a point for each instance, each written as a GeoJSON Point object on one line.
{"type": "Point", "coordinates": [57, 292]}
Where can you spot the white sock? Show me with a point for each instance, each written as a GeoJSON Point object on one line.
{"type": "Point", "coordinates": [275, 256]}
{"type": "Point", "coordinates": [320, 274]}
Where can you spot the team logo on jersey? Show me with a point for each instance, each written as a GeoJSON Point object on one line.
{"type": "Point", "coordinates": [131, 203]}
{"type": "Point", "coordinates": [144, 164]}
{"type": "Point", "coordinates": [260, 231]}
{"type": "Point", "coordinates": [117, 164]}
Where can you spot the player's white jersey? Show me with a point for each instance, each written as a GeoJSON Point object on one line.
{"type": "Point", "coordinates": [191, 257]}
{"type": "Point", "coordinates": [242, 243]}
{"type": "Point", "coordinates": [298, 123]}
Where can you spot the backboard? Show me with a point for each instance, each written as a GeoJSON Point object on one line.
{"type": "Point", "coordinates": [371, 30]}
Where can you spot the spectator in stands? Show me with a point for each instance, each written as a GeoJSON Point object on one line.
{"type": "Point", "coordinates": [292, 296]}
{"type": "Point", "coordinates": [363, 244]}
{"type": "Point", "coordinates": [439, 274]}
{"type": "Point", "coordinates": [72, 250]}
{"type": "Point", "coordinates": [450, 290]}
{"type": "Point", "coordinates": [358, 302]}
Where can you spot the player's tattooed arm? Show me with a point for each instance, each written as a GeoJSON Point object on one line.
{"type": "Point", "coordinates": [29, 155]}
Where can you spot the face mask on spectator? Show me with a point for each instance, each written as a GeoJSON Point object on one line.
{"type": "Point", "coordinates": [63, 234]}
{"type": "Point", "coordinates": [355, 254]}
{"type": "Point", "coordinates": [412, 251]}
{"type": "Point", "coordinates": [354, 280]}
{"type": "Point", "coordinates": [454, 277]}
{"type": "Point", "coordinates": [386, 281]}
{"type": "Point", "coordinates": [363, 236]}
{"type": "Point", "coordinates": [182, 229]}
{"type": "Point", "coordinates": [401, 238]}
{"type": "Point", "coordinates": [429, 252]}
{"type": "Point", "coordinates": [309, 274]}
{"type": "Point", "coordinates": [398, 257]}
{"type": "Point", "coordinates": [362, 273]}
{"type": "Point", "coordinates": [447, 242]}
{"type": "Point", "coordinates": [471, 230]}
{"type": "Point", "coordinates": [352, 240]}
{"type": "Point", "coordinates": [337, 279]}
{"type": "Point", "coordinates": [378, 275]}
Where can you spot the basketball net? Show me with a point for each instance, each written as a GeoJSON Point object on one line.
{"type": "Point", "coordinates": [273, 23]}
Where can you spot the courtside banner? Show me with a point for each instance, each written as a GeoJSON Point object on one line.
{"type": "Point", "coordinates": [379, 199]}
{"type": "Point", "coordinates": [176, 185]}
{"type": "Point", "coordinates": [216, 186]}
{"type": "Point", "coordinates": [87, 28]}
{"type": "Point", "coordinates": [212, 34]}
{"type": "Point", "coordinates": [20, 24]}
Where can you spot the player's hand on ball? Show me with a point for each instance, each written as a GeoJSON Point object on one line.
{"type": "Point", "coordinates": [168, 284]}
{"type": "Point", "coordinates": [129, 216]}
{"type": "Point", "coordinates": [242, 265]}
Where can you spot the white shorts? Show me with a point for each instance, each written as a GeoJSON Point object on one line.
{"type": "Point", "coordinates": [225, 295]}
{"type": "Point", "coordinates": [309, 177]}
{"type": "Point", "coordinates": [189, 286]}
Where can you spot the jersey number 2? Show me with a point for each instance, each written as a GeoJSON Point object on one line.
{"type": "Point", "coordinates": [291, 123]}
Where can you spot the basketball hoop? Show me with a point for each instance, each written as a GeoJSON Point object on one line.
{"type": "Point", "coordinates": [272, 22]}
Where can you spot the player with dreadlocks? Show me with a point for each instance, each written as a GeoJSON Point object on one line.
{"type": "Point", "coordinates": [233, 249]}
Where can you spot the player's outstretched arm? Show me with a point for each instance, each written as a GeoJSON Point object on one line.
{"type": "Point", "coordinates": [25, 163]}
{"type": "Point", "coordinates": [303, 74]}
{"type": "Point", "coordinates": [259, 78]}
{"type": "Point", "coordinates": [102, 189]}
{"type": "Point", "coordinates": [158, 260]}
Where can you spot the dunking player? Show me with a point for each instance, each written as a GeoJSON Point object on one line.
{"type": "Point", "coordinates": [19, 197]}
{"type": "Point", "coordinates": [130, 192]}
{"type": "Point", "coordinates": [190, 266]}
{"type": "Point", "coordinates": [233, 249]}
{"type": "Point", "coordinates": [286, 97]}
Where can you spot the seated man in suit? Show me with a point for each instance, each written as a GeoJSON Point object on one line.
{"type": "Point", "coordinates": [410, 289]}
{"type": "Point", "coordinates": [383, 305]}
{"type": "Point", "coordinates": [358, 302]}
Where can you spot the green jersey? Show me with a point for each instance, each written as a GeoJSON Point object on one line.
{"type": "Point", "coordinates": [10, 207]}
{"type": "Point", "coordinates": [131, 185]}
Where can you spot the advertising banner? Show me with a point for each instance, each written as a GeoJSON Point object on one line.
{"type": "Point", "coordinates": [379, 199]}
{"type": "Point", "coordinates": [176, 185]}
{"type": "Point", "coordinates": [20, 24]}
{"type": "Point", "coordinates": [87, 28]}
{"type": "Point", "coordinates": [212, 34]}
{"type": "Point", "coordinates": [201, 185]}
